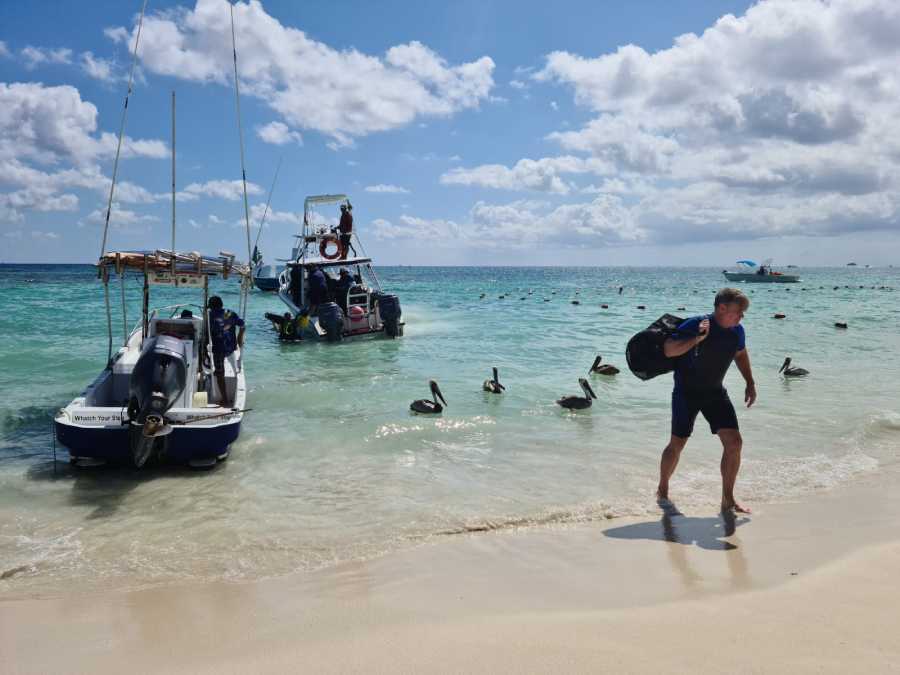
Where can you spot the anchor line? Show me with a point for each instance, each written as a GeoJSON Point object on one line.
{"type": "Point", "coordinates": [112, 186]}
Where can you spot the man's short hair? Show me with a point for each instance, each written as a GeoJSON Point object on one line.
{"type": "Point", "coordinates": [728, 296]}
{"type": "Point", "coordinates": [215, 302]}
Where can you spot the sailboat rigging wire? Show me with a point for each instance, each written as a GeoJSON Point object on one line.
{"type": "Point", "coordinates": [237, 101]}
{"type": "Point", "coordinates": [105, 273]}
{"type": "Point", "coordinates": [268, 200]}
{"type": "Point", "coordinates": [112, 186]}
{"type": "Point", "coordinates": [124, 309]}
{"type": "Point", "coordinates": [245, 282]}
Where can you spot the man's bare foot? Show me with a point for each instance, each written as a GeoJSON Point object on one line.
{"type": "Point", "coordinates": [731, 505]}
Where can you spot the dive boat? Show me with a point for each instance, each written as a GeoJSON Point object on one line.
{"type": "Point", "coordinates": [157, 398]}
{"type": "Point", "coordinates": [265, 277]}
{"type": "Point", "coordinates": [361, 309]}
{"type": "Point", "coordinates": [748, 272]}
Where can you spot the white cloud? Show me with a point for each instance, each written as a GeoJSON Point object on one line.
{"type": "Point", "coordinates": [44, 236]}
{"type": "Point", "coordinates": [273, 216]}
{"type": "Point", "coordinates": [278, 133]}
{"type": "Point", "coordinates": [96, 67]}
{"type": "Point", "coordinates": [214, 219]}
{"type": "Point", "coordinates": [124, 220]}
{"type": "Point", "coordinates": [232, 190]}
{"type": "Point", "coordinates": [780, 121]}
{"type": "Point", "coordinates": [37, 56]}
{"type": "Point", "coordinates": [351, 162]}
{"type": "Point", "coordinates": [342, 94]}
{"type": "Point", "coordinates": [554, 105]}
{"type": "Point", "coordinates": [4, 50]}
{"type": "Point", "coordinates": [389, 189]}
{"type": "Point", "coordinates": [542, 175]}
{"type": "Point", "coordinates": [518, 84]}
{"type": "Point", "coordinates": [50, 124]}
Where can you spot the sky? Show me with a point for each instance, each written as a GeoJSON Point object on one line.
{"type": "Point", "coordinates": [465, 133]}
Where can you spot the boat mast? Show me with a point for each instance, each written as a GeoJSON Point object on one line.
{"type": "Point", "coordinates": [112, 186]}
{"type": "Point", "coordinates": [237, 100]}
{"type": "Point", "coordinates": [268, 200]}
{"type": "Point", "coordinates": [173, 185]}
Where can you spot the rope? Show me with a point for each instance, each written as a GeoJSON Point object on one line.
{"type": "Point", "coordinates": [237, 101]}
{"type": "Point", "coordinates": [112, 186]}
{"type": "Point", "coordinates": [268, 200]}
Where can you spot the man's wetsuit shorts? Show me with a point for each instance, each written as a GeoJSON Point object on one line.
{"type": "Point", "coordinates": [715, 406]}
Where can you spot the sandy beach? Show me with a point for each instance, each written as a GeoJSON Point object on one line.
{"type": "Point", "coordinates": [800, 587]}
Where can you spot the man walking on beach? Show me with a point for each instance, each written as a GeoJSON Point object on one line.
{"type": "Point", "coordinates": [705, 346]}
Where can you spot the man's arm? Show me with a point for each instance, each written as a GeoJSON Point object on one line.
{"type": "Point", "coordinates": [673, 347]}
{"type": "Point", "coordinates": [742, 359]}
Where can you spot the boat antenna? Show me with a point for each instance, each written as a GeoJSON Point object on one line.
{"type": "Point", "coordinates": [237, 101]}
{"type": "Point", "coordinates": [268, 200]}
{"type": "Point", "coordinates": [112, 186]}
{"type": "Point", "coordinates": [173, 182]}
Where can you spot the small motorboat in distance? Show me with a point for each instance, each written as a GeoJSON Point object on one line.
{"type": "Point", "coordinates": [579, 402]}
{"type": "Point", "coordinates": [748, 272]}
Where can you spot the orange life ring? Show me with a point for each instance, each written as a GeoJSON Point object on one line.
{"type": "Point", "coordinates": [323, 248]}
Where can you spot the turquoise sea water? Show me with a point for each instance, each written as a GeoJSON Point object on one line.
{"type": "Point", "coordinates": [332, 466]}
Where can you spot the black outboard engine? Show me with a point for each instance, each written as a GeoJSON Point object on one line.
{"type": "Point", "coordinates": [331, 318]}
{"type": "Point", "coordinates": [389, 309]}
{"type": "Point", "coordinates": [158, 379]}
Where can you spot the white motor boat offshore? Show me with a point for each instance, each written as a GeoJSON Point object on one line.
{"type": "Point", "coordinates": [157, 399]}
{"type": "Point", "coordinates": [362, 309]}
{"type": "Point", "coordinates": [748, 272]}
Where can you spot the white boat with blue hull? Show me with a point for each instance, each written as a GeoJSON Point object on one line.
{"type": "Point", "coordinates": [748, 272]}
{"type": "Point", "coordinates": [359, 308]}
{"type": "Point", "coordinates": [157, 399]}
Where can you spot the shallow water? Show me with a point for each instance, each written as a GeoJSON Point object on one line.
{"type": "Point", "coordinates": [332, 466]}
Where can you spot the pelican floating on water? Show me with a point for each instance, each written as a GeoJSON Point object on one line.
{"type": "Point", "coordinates": [792, 371]}
{"type": "Point", "coordinates": [604, 369]}
{"type": "Point", "coordinates": [426, 407]}
{"type": "Point", "coordinates": [579, 402]}
{"type": "Point", "coordinates": [494, 385]}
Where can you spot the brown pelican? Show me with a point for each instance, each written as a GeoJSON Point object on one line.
{"type": "Point", "coordinates": [493, 385]}
{"type": "Point", "coordinates": [604, 369]}
{"type": "Point", "coordinates": [579, 402]}
{"type": "Point", "coordinates": [791, 371]}
{"type": "Point", "coordinates": [426, 407]}
{"type": "Point", "coordinates": [840, 324]}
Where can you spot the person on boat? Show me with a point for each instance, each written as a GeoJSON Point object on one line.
{"type": "Point", "coordinates": [704, 347]}
{"type": "Point", "coordinates": [222, 325]}
{"type": "Point", "coordinates": [296, 283]}
{"type": "Point", "coordinates": [318, 289]}
{"type": "Point", "coordinates": [342, 287]}
{"type": "Point", "coordinates": [346, 229]}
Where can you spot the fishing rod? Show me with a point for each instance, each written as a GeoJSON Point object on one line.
{"type": "Point", "coordinates": [237, 101]}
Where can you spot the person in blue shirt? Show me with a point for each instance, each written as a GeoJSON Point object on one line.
{"type": "Point", "coordinates": [222, 325]}
{"type": "Point", "coordinates": [705, 346]}
{"type": "Point", "coordinates": [317, 289]}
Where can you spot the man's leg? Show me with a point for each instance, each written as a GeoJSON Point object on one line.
{"type": "Point", "coordinates": [732, 444]}
{"type": "Point", "coordinates": [667, 464]}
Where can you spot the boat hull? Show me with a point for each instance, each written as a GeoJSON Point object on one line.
{"type": "Point", "coordinates": [111, 444]}
{"type": "Point", "coordinates": [753, 278]}
{"type": "Point", "coordinates": [266, 283]}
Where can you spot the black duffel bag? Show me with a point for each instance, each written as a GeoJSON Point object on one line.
{"type": "Point", "coordinates": [645, 353]}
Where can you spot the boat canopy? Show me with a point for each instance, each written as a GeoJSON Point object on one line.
{"type": "Point", "coordinates": [179, 262]}
{"type": "Point", "coordinates": [324, 199]}
{"type": "Point", "coordinates": [346, 262]}
{"type": "Point", "coordinates": [749, 263]}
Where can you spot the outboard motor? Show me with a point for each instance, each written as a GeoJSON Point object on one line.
{"type": "Point", "coordinates": [331, 318]}
{"type": "Point", "coordinates": [389, 309]}
{"type": "Point", "coordinates": [158, 379]}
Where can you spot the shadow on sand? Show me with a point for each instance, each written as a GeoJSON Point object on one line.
{"type": "Point", "coordinates": [675, 527]}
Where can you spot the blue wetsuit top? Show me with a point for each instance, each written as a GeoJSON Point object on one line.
{"type": "Point", "coordinates": [703, 368]}
{"type": "Point", "coordinates": [222, 324]}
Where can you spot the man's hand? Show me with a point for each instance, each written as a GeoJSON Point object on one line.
{"type": "Point", "coordinates": [703, 331]}
{"type": "Point", "coordinates": [750, 394]}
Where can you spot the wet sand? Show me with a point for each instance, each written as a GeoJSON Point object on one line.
{"type": "Point", "coordinates": [800, 587]}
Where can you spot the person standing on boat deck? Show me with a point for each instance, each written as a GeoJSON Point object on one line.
{"type": "Point", "coordinates": [342, 287]}
{"type": "Point", "coordinates": [705, 346]}
{"type": "Point", "coordinates": [222, 324]}
{"type": "Point", "coordinates": [346, 228]}
{"type": "Point", "coordinates": [317, 289]}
